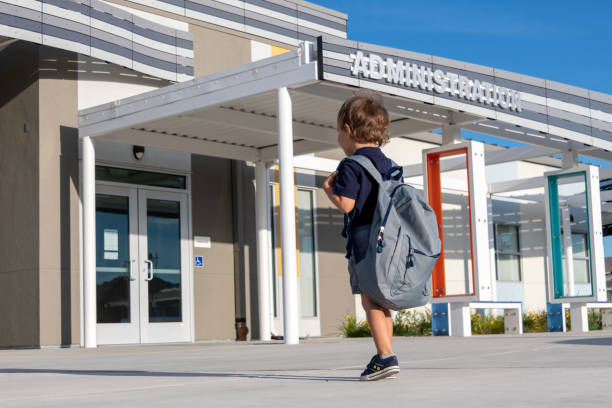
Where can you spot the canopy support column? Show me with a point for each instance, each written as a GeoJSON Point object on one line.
{"type": "Point", "coordinates": [287, 217]}
{"type": "Point", "coordinates": [89, 241]}
{"type": "Point", "coordinates": [451, 134]}
{"type": "Point", "coordinates": [263, 250]}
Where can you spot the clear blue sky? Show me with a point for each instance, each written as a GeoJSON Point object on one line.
{"type": "Point", "coordinates": [564, 41]}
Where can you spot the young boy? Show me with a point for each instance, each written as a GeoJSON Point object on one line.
{"type": "Point", "coordinates": [362, 128]}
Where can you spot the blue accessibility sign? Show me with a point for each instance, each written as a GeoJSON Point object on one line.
{"type": "Point", "coordinates": [199, 261]}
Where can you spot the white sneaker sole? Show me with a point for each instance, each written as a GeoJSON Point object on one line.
{"type": "Point", "coordinates": [387, 372]}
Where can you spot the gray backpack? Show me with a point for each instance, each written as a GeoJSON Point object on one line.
{"type": "Point", "coordinates": [403, 244]}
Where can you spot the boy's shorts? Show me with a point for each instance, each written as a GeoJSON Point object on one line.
{"type": "Point", "coordinates": [353, 276]}
{"type": "Point", "coordinates": [359, 247]}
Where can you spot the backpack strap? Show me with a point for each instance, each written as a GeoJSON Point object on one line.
{"type": "Point", "coordinates": [368, 166]}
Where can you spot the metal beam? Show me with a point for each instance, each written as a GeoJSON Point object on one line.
{"type": "Point", "coordinates": [255, 122]}
{"type": "Point", "coordinates": [184, 144]}
{"type": "Point", "coordinates": [491, 157]}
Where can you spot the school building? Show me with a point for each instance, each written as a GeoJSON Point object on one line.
{"type": "Point", "coordinates": [161, 164]}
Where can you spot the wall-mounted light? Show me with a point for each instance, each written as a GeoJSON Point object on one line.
{"type": "Point", "coordinates": [139, 152]}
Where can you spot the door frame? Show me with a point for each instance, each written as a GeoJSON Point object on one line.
{"type": "Point", "coordinates": [125, 333]}
{"type": "Point", "coordinates": [102, 186]}
{"type": "Point", "coordinates": [161, 332]}
{"type": "Point", "coordinates": [309, 326]}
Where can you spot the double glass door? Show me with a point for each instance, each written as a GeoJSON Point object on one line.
{"type": "Point", "coordinates": [142, 266]}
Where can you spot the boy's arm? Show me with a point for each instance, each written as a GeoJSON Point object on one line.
{"type": "Point", "coordinates": [344, 204]}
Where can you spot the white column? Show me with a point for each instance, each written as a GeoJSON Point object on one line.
{"type": "Point", "coordinates": [451, 134]}
{"type": "Point", "coordinates": [89, 241]}
{"type": "Point", "coordinates": [460, 322]}
{"type": "Point", "coordinates": [287, 217]}
{"type": "Point", "coordinates": [579, 317]}
{"type": "Point", "coordinates": [263, 249]}
{"type": "Point", "coordinates": [569, 252]}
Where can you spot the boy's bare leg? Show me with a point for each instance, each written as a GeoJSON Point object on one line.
{"type": "Point", "coordinates": [379, 319]}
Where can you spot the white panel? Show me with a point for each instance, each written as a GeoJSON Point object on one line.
{"type": "Point", "coordinates": [214, 20]}
{"type": "Point", "coordinates": [340, 79]}
{"type": "Point", "coordinates": [449, 103]}
{"type": "Point", "coordinates": [184, 52]}
{"type": "Point", "coordinates": [321, 28]}
{"type": "Point", "coordinates": [31, 4]}
{"type": "Point", "coordinates": [235, 3]}
{"type": "Point", "coordinates": [597, 114]}
{"type": "Point", "coordinates": [160, 73]}
{"type": "Point", "coordinates": [156, 45]}
{"type": "Point", "coordinates": [271, 13]}
{"type": "Point", "coordinates": [110, 57]}
{"type": "Point", "coordinates": [531, 124]}
{"type": "Point", "coordinates": [540, 100]}
{"type": "Point", "coordinates": [65, 44]}
{"type": "Point", "coordinates": [165, 21]}
{"type": "Point", "coordinates": [65, 13]}
{"type": "Point", "coordinates": [407, 93]}
{"type": "Point", "coordinates": [554, 130]}
{"type": "Point", "coordinates": [21, 34]}
{"type": "Point", "coordinates": [260, 50]}
{"type": "Point", "coordinates": [270, 35]}
{"type": "Point", "coordinates": [94, 93]}
{"type": "Point", "coordinates": [480, 227]}
{"type": "Point", "coordinates": [570, 107]}
{"type": "Point", "coordinates": [109, 28]}
{"type": "Point", "coordinates": [337, 56]}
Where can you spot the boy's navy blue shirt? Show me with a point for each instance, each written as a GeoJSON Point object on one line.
{"type": "Point", "coordinates": [353, 181]}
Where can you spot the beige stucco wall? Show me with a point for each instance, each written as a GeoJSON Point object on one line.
{"type": "Point", "coordinates": [58, 189]}
{"type": "Point", "coordinates": [336, 300]}
{"type": "Point", "coordinates": [19, 197]}
{"type": "Point", "coordinates": [212, 216]}
{"type": "Point", "coordinates": [215, 50]}
{"type": "Point", "coordinates": [38, 201]}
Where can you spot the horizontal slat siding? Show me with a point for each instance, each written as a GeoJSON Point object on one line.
{"type": "Point", "coordinates": [563, 111]}
{"type": "Point", "coordinates": [99, 30]}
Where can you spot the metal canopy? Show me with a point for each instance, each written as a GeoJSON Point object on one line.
{"type": "Point", "coordinates": [232, 114]}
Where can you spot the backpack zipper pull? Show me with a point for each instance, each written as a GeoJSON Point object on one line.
{"type": "Point", "coordinates": [380, 239]}
{"type": "Point", "coordinates": [410, 254]}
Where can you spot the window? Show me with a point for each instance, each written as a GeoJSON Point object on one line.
{"type": "Point", "coordinates": [306, 260]}
{"type": "Point", "coordinates": [580, 252]}
{"type": "Point", "coordinates": [507, 253]}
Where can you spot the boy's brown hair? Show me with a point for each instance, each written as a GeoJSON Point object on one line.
{"type": "Point", "coordinates": [366, 117]}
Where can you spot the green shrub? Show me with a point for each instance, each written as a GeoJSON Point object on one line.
{"type": "Point", "coordinates": [535, 322]}
{"type": "Point", "coordinates": [412, 323]}
{"type": "Point", "coordinates": [594, 316]}
{"type": "Point", "coordinates": [487, 324]}
{"type": "Point", "coordinates": [352, 328]}
{"type": "Point", "coordinates": [406, 323]}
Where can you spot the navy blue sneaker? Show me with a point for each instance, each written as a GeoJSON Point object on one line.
{"type": "Point", "coordinates": [380, 368]}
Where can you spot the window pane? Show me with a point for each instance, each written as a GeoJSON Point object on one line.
{"type": "Point", "coordinates": [579, 245]}
{"type": "Point", "coordinates": [307, 254]}
{"type": "Point", "coordinates": [148, 178]}
{"type": "Point", "coordinates": [506, 238]}
{"type": "Point", "coordinates": [275, 260]}
{"type": "Point", "coordinates": [581, 271]}
{"type": "Point", "coordinates": [112, 259]}
{"type": "Point", "coordinates": [164, 251]}
{"type": "Point", "coordinates": [508, 268]}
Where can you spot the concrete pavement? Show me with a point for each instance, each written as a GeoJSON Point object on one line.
{"type": "Point", "coordinates": [536, 370]}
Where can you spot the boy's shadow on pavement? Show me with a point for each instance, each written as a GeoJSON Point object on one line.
{"type": "Point", "coordinates": [134, 373]}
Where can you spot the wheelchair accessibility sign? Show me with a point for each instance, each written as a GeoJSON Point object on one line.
{"type": "Point", "coordinates": [199, 261]}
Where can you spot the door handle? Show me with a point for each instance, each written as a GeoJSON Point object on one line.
{"type": "Point", "coordinates": [132, 276]}
{"type": "Point", "coordinates": [149, 270]}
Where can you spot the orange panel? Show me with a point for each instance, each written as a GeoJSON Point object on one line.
{"type": "Point", "coordinates": [434, 189]}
